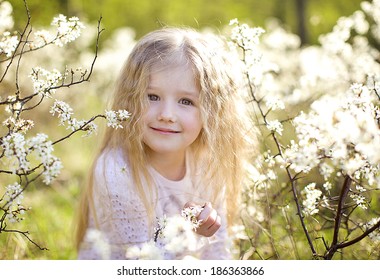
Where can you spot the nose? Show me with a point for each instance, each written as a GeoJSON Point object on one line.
{"type": "Point", "coordinates": [167, 112]}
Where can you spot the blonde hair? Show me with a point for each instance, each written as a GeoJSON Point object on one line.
{"type": "Point", "coordinates": [226, 137]}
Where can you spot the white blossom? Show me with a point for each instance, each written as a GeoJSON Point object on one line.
{"type": "Point", "coordinates": [99, 242]}
{"type": "Point", "coordinates": [6, 19]}
{"type": "Point", "coordinates": [270, 159]}
{"type": "Point", "coordinates": [14, 192]}
{"type": "Point", "coordinates": [41, 38]}
{"type": "Point", "coordinates": [147, 251]}
{"type": "Point", "coordinates": [19, 124]}
{"type": "Point", "coordinates": [374, 235]}
{"type": "Point", "coordinates": [44, 81]}
{"type": "Point", "coordinates": [179, 236]}
{"type": "Point", "coordinates": [313, 195]}
{"type": "Point", "coordinates": [15, 150]}
{"type": "Point", "coordinates": [326, 170]}
{"type": "Point", "coordinates": [115, 118]}
{"type": "Point", "coordinates": [44, 152]}
{"type": "Point", "coordinates": [191, 214]}
{"type": "Point", "coordinates": [52, 169]}
{"type": "Point", "coordinates": [8, 44]}
{"type": "Point", "coordinates": [301, 158]}
{"type": "Point", "coordinates": [274, 103]}
{"type": "Point", "coordinates": [245, 36]}
{"type": "Point", "coordinates": [327, 186]}
{"type": "Point", "coordinates": [358, 198]}
{"type": "Point", "coordinates": [65, 114]}
{"type": "Point", "coordinates": [13, 197]}
{"type": "Point", "coordinates": [275, 126]}
{"type": "Point", "coordinates": [63, 110]}
{"type": "Point", "coordinates": [343, 128]}
{"type": "Point", "coordinates": [239, 232]}
{"type": "Point", "coordinates": [68, 29]}
{"type": "Point", "coordinates": [174, 239]}
{"type": "Point", "coordinates": [258, 179]}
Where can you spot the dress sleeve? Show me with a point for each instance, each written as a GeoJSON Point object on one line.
{"type": "Point", "coordinates": [119, 219]}
{"type": "Point", "coordinates": [218, 246]}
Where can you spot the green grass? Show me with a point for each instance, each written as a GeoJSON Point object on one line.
{"type": "Point", "coordinates": [49, 222]}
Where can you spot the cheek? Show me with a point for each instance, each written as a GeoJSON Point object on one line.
{"type": "Point", "coordinates": [195, 123]}
{"type": "Point", "coordinates": [149, 113]}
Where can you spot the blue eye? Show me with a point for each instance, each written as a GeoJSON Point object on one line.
{"type": "Point", "coordinates": [187, 102]}
{"type": "Point", "coordinates": [153, 97]}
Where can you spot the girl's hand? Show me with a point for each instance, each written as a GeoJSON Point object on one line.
{"type": "Point", "coordinates": [210, 220]}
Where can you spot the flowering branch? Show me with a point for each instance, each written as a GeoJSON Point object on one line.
{"type": "Point", "coordinates": [30, 158]}
{"type": "Point", "coordinates": [244, 36]}
{"type": "Point", "coordinates": [337, 136]}
{"type": "Point", "coordinates": [14, 46]}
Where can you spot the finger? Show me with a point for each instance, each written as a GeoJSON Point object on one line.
{"type": "Point", "coordinates": [216, 225]}
{"type": "Point", "coordinates": [209, 220]}
{"type": "Point", "coordinates": [213, 228]}
{"type": "Point", "coordinates": [207, 209]}
{"type": "Point", "coordinates": [189, 204]}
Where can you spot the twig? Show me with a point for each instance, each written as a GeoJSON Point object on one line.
{"type": "Point", "coordinates": [18, 44]}
{"type": "Point", "coordinates": [81, 128]}
{"type": "Point", "coordinates": [26, 235]}
{"type": "Point", "coordinates": [359, 238]}
{"type": "Point", "coordinates": [338, 218]}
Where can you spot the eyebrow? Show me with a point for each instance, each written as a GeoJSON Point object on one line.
{"type": "Point", "coordinates": [182, 91]}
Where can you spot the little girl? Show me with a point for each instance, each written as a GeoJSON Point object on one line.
{"type": "Point", "coordinates": [185, 144]}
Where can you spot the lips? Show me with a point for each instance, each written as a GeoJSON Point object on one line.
{"type": "Point", "coordinates": [165, 130]}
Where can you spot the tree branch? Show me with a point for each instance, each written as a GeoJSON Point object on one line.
{"type": "Point", "coordinates": [359, 238]}
{"type": "Point", "coordinates": [338, 218]}
{"type": "Point", "coordinates": [292, 179]}
{"type": "Point", "coordinates": [19, 43]}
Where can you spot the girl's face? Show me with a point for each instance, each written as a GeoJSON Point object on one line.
{"type": "Point", "coordinates": [172, 121]}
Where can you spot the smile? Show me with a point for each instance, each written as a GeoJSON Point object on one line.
{"type": "Point", "coordinates": [164, 130]}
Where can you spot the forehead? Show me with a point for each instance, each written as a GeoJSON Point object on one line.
{"type": "Point", "coordinates": [178, 75]}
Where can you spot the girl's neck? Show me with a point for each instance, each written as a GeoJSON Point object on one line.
{"type": "Point", "coordinates": [170, 166]}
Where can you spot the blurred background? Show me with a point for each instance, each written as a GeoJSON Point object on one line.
{"type": "Point", "coordinates": [124, 21]}
{"type": "Point", "coordinates": [307, 18]}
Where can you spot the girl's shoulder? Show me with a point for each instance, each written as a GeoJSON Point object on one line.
{"type": "Point", "coordinates": [112, 170]}
{"type": "Point", "coordinates": [112, 160]}
{"type": "Point", "coordinates": [112, 164]}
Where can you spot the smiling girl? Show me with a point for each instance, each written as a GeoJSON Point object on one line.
{"type": "Point", "coordinates": [185, 144]}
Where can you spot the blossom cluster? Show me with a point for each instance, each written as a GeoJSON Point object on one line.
{"type": "Point", "coordinates": [245, 36]}
{"type": "Point", "coordinates": [18, 151]}
{"type": "Point", "coordinates": [342, 128]}
{"type": "Point", "coordinates": [26, 155]}
{"type": "Point", "coordinates": [67, 30]}
{"type": "Point", "coordinates": [13, 197]}
{"type": "Point", "coordinates": [375, 235]}
{"type": "Point", "coordinates": [44, 81]}
{"type": "Point", "coordinates": [115, 118]}
{"type": "Point", "coordinates": [313, 196]}
{"type": "Point", "coordinates": [174, 239]}
{"type": "Point", "coordinates": [8, 42]}
{"type": "Point", "coordinates": [317, 108]}
{"type": "Point", "coordinates": [6, 22]}
{"type": "Point", "coordinates": [191, 214]}
{"type": "Point", "coordinates": [373, 9]}
{"type": "Point", "coordinates": [65, 114]}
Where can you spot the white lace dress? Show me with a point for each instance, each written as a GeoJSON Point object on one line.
{"type": "Point", "coordinates": [122, 220]}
